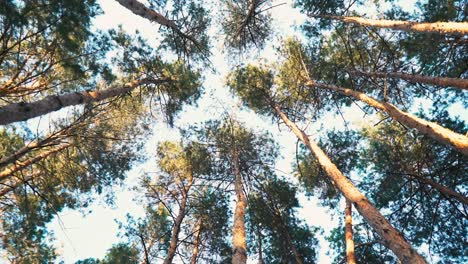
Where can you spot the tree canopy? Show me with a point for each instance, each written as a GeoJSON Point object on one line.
{"type": "Point", "coordinates": [364, 101]}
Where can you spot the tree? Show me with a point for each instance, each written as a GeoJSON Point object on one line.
{"type": "Point", "coordinates": [247, 24]}
{"type": "Point", "coordinates": [240, 155]}
{"type": "Point", "coordinates": [273, 224]}
{"type": "Point", "coordinates": [393, 239]}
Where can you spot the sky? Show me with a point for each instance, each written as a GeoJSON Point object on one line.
{"type": "Point", "coordinates": [79, 236]}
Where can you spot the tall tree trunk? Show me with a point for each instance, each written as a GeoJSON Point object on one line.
{"type": "Point", "coordinates": [8, 172]}
{"type": "Point", "coordinates": [196, 242]}
{"type": "Point", "coordinates": [24, 111]}
{"type": "Point", "coordinates": [238, 234]}
{"type": "Point", "coordinates": [431, 129]}
{"type": "Point", "coordinates": [390, 236]}
{"type": "Point", "coordinates": [416, 78]}
{"type": "Point", "coordinates": [260, 249]}
{"type": "Point", "coordinates": [177, 224]}
{"type": "Point", "coordinates": [458, 28]}
{"type": "Point", "coordinates": [141, 10]}
{"type": "Point", "coordinates": [349, 233]}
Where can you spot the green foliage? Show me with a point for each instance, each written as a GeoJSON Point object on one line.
{"type": "Point", "coordinates": [253, 85]}
{"type": "Point", "coordinates": [193, 20]}
{"type": "Point", "coordinates": [394, 159]}
{"type": "Point", "coordinates": [118, 254]}
{"type": "Point", "coordinates": [272, 209]}
{"type": "Point", "coordinates": [246, 24]}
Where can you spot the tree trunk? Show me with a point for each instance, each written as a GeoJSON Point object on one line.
{"type": "Point", "coordinates": [416, 78]}
{"type": "Point", "coordinates": [238, 234]}
{"type": "Point", "coordinates": [177, 224]}
{"type": "Point", "coordinates": [349, 233]}
{"type": "Point", "coordinates": [431, 129]}
{"type": "Point", "coordinates": [196, 242]}
{"type": "Point", "coordinates": [391, 237]}
{"type": "Point", "coordinates": [8, 172]}
{"type": "Point", "coordinates": [24, 111]}
{"type": "Point", "coordinates": [141, 10]}
{"type": "Point", "coordinates": [458, 28]}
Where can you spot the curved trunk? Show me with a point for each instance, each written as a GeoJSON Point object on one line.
{"type": "Point", "coordinates": [458, 28]}
{"type": "Point", "coordinates": [24, 111]}
{"type": "Point", "coordinates": [390, 236]}
{"type": "Point", "coordinates": [196, 242]}
{"type": "Point", "coordinates": [416, 78]}
{"type": "Point", "coordinates": [431, 129]}
{"type": "Point", "coordinates": [238, 234]}
{"type": "Point", "coordinates": [8, 172]}
{"type": "Point", "coordinates": [349, 233]}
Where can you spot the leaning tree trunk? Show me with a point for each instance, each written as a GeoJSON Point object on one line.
{"type": "Point", "coordinates": [458, 28]}
{"type": "Point", "coordinates": [238, 234]}
{"type": "Point", "coordinates": [24, 111]}
{"type": "Point", "coordinates": [177, 223]}
{"type": "Point", "coordinates": [196, 242]}
{"type": "Point", "coordinates": [350, 257]}
{"type": "Point", "coordinates": [19, 165]}
{"type": "Point", "coordinates": [416, 78]}
{"type": "Point", "coordinates": [141, 10]}
{"type": "Point", "coordinates": [390, 236]}
{"type": "Point", "coordinates": [431, 129]}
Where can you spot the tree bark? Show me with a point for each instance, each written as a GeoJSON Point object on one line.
{"type": "Point", "coordinates": [416, 78]}
{"type": "Point", "coordinates": [196, 242]}
{"type": "Point", "coordinates": [8, 172]}
{"type": "Point", "coordinates": [349, 233]}
{"type": "Point", "coordinates": [177, 224]}
{"type": "Point", "coordinates": [391, 237]}
{"type": "Point", "coordinates": [431, 129]}
{"type": "Point", "coordinates": [24, 111]}
{"type": "Point", "coordinates": [238, 234]}
{"type": "Point", "coordinates": [457, 28]}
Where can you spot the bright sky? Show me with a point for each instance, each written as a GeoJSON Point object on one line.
{"type": "Point", "coordinates": [80, 237]}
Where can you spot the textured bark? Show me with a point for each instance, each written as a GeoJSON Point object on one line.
{"type": "Point", "coordinates": [431, 129]}
{"type": "Point", "coordinates": [390, 236]}
{"type": "Point", "coordinates": [177, 224]}
{"type": "Point", "coordinates": [416, 78]}
{"type": "Point", "coordinates": [238, 235]}
{"type": "Point", "coordinates": [350, 257]}
{"type": "Point", "coordinates": [458, 28]}
{"type": "Point", "coordinates": [196, 242]}
{"type": "Point", "coordinates": [24, 111]}
{"type": "Point", "coordinates": [19, 165]}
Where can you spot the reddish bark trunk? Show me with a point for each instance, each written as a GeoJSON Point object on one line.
{"type": "Point", "coordinates": [431, 129]}
{"type": "Point", "coordinates": [390, 236]}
